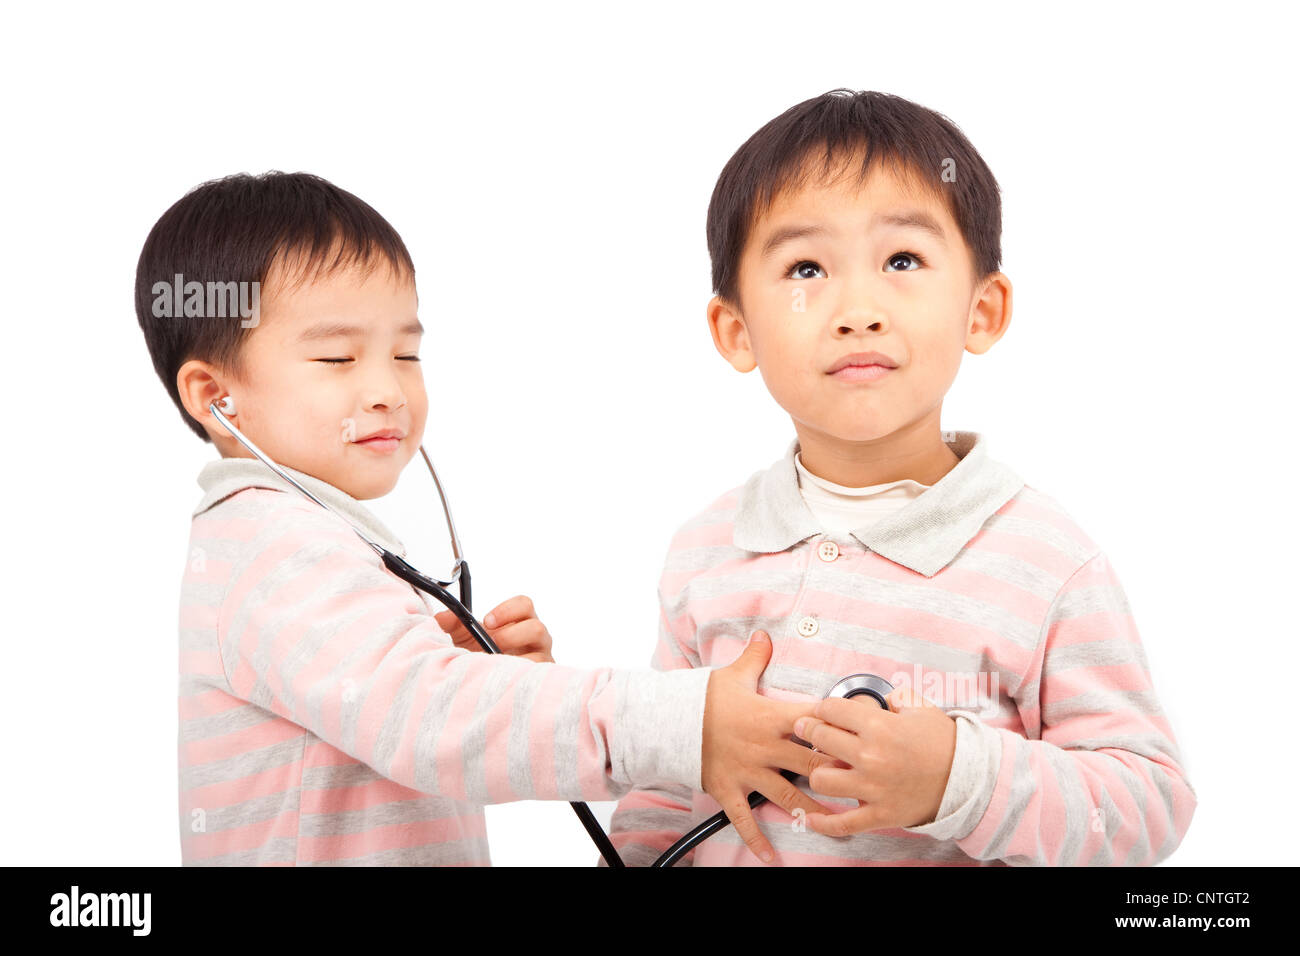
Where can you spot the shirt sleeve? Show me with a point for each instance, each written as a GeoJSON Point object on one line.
{"type": "Point", "coordinates": [1103, 785]}
{"type": "Point", "coordinates": [315, 629]}
{"type": "Point", "coordinates": [649, 820]}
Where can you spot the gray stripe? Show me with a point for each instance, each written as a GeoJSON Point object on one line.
{"type": "Point", "coordinates": [660, 818]}
{"type": "Point", "coordinates": [202, 639]}
{"type": "Point", "coordinates": [206, 594]}
{"type": "Point", "coordinates": [1077, 602]}
{"type": "Point", "coordinates": [226, 722]}
{"type": "Point", "coordinates": [1103, 653]}
{"type": "Point", "coordinates": [1136, 783]}
{"type": "Point", "coordinates": [465, 850]}
{"type": "Point", "coordinates": [1073, 787]}
{"type": "Point", "coordinates": [419, 810]}
{"type": "Point", "coordinates": [276, 850]}
{"type": "Point", "coordinates": [568, 720]}
{"type": "Point", "coordinates": [398, 713]}
{"type": "Point", "coordinates": [1023, 787]}
{"type": "Point", "coordinates": [519, 746]}
{"type": "Point", "coordinates": [332, 776]}
{"type": "Point", "coordinates": [247, 812]}
{"type": "Point", "coordinates": [474, 745]}
{"type": "Point", "coordinates": [242, 765]}
{"type": "Point", "coordinates": [1101, 702]}
{"type": "Point", "coordinates": [433, 723]}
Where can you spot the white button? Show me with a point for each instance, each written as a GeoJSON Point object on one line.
{"type": "Point", "coordinates": [828, 551]}
{"type": "Point", "coordinates": [808, 627]}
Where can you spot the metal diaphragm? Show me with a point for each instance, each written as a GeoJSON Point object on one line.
{"type": "Point", "coordinates": [869, 687]}
{"type": "Point", "coordinates": [864, 685]}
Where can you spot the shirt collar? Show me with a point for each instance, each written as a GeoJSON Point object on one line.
{"type": "Point", "coordinates": [222, 478]}
{"type": "Point", "coordinates": [924, 535]}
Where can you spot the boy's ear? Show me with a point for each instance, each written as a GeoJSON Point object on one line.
{"type": "Point", "coordinates": [198, 386]}
{"type": "Point", "coordinates": [730, 336]}
{"type": "Point", "coordinates": [990, 314]}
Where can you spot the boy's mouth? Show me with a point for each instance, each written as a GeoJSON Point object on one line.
{"type": "Point", "coordinates": [384, 442]}
{"type": "Point", "coordinates": [862, 367]}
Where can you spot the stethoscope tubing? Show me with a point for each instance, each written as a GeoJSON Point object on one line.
{"type": "Point", "coordinates": [404, 570]}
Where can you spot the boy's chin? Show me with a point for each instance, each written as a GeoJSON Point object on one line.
{"type": "Point", "coordinates": [854, 432]}
{"type": "Point", "coordinates": [364, 484]}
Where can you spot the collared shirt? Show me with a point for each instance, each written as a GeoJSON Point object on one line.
{"type": "Point", "coordinates": [983, 595]}
{"type": "Point", "coordinates": [325, 718]}
{"type": "Point", "coordinates": [841, 509]}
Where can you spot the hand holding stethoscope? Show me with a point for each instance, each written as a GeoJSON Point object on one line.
{"type": "Point", "coordinates": [865, 686]}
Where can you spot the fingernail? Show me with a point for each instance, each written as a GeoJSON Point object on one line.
{"type": "Point", "coordinates": [758, 637]}
{"type": "Point", "coordinates": [490, 620]}
{"type": "Point", "coordinates": [800, 726]}
{"type": "Point", "coordinates": [766, 856]}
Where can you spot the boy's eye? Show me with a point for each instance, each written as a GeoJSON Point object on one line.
{"type": "Point", "coordinates": [335, 361]}
{"type": "Point", "coordinates": [904, 256]}
{"type": "Point", "coordinates": [806, 269]}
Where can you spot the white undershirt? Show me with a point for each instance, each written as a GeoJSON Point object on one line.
{"type": "Point", "coordinates": [841, 509]}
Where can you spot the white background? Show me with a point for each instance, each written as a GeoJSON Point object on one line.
{"type": "Point", "coordinates": [549, 169]}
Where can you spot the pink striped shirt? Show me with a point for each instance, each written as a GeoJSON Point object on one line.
{"type": "Point", "coordinates": [982, 594]}
{"type": "Point", "coordinates": [325, 718]}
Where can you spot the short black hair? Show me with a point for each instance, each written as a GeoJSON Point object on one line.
{"type": "Point", "coordinates": [234, 230]}
{"type": "Point", "coordinates": [918, 144]}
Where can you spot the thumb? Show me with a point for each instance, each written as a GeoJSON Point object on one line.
{"type": "Point", "coordinates": [753, 659]}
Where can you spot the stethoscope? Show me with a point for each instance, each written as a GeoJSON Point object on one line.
{"type": "Point", "coordinates": [867, 686]}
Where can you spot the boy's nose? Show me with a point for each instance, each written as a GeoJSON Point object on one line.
{"type": "Point", "coordinates": [859, 319]}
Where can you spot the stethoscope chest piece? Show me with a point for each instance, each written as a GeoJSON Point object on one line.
{"type": "Point", "coordinates": [869, 687]}
{"type": "Point", "coordinates": [864, 685]}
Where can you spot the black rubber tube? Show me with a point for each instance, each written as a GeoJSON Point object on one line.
{"type": "Point", "coordinates": [463, 614]}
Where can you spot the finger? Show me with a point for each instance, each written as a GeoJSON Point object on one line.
{"type": "Point", "coordinates": [837, 782]}
{"type": "Point", "coordinates": [859, 716]}
{"type": "Point", "coordinates": [512, 609]}
{"type": "Point", "coordinates": [903, 697]}
{"type": "Point", "coordinates": [799, 759]}
{"type": "Point", "coordinates": [790, 711]}
{"type": "Point", "coordinates": [738, 812]}
{"type": "Point", "coordinates": [845, 824]}
{"type": "Point", "coordinates": [456, 631]}
{"type": "Point", "coordinates": [826, 760]}
{"type": "Point", "coordinates": [786, 795]}
{"type": "Point", "coordinates": [521, 634]}
{"type": "Point", "coordinates": [753, 659]}
{"type": "Point", "coordinates": [830, 739]}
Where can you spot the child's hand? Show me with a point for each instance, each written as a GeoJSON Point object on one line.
{"type": "Point", "coordinates": [745, 737]}
{"type": "Point", "coordinates": [512, 624]}
{"type": "Point", "coordinates": [895, 763]}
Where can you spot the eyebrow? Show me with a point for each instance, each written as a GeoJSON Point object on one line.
{"type": "Point", "coordinates": [909, 218]}
{"type": "Point", "coordinates": [331, 329]}
{"type": "Point", "coordinates": [915, 218]}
